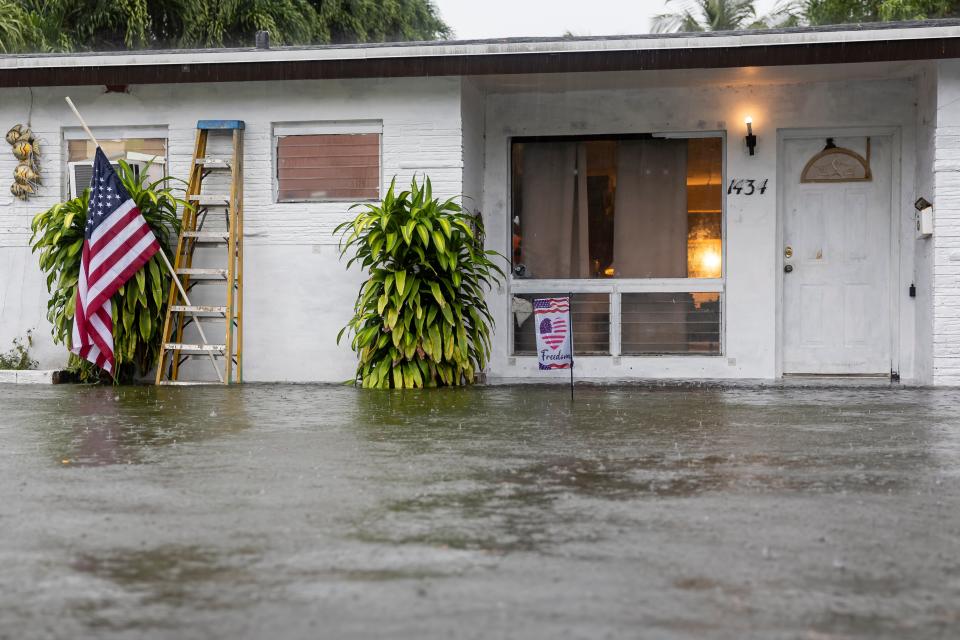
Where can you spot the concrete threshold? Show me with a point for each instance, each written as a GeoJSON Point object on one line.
{"type": "Point", "coordinates": [31, 376]}
{"type": "Point", "coordinates": [787, 382]}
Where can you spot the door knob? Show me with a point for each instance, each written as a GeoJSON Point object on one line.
{"type": "Point", "coordinates": [787, 268]}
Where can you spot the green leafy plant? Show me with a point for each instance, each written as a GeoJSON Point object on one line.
{"type": "Point", "coordinates": [140, 304]}
{"type": "Point", "coordinates": [420, 319]}
{"type": "Point", "coordinates": [19, 356]}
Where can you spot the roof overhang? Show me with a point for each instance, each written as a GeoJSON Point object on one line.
{"type": "Point", "coordinates": [930, 40]}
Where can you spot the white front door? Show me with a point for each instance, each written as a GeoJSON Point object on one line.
{"type": "Point", "coordinates": [836, 298]}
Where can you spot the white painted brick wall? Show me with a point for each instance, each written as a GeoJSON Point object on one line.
{"type": "Point", "coordinates": [421, 135]}
{"type": "Point", "coordinates": [946, 238]}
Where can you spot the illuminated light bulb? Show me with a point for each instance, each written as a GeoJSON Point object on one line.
{"type": "Point", "coordinates": [750, 138]}
{"type": "Point", "coordinates": [711, 263]}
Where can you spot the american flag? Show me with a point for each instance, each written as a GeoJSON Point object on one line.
{"type": "Point", "coordinates": [551, 305]}
{"type": "Point", "coordinates": [117, 242]}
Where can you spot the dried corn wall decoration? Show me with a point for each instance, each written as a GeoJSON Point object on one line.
{"type": "Point", "coordinates": [26, 175]}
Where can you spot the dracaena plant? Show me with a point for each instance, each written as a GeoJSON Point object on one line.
{"type": "Point", "coordinates": [140, 304]}
{"type": "Point", "coordinates": [420, 319]}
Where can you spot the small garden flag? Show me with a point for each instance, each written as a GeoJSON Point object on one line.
{"type": "Point", "coordinates": [554, 329]}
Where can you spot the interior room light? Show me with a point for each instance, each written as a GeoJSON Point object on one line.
{"type": "Point", "coordinates": [750, 138]}
{"type": "Point", "coordinates": [711, 262]}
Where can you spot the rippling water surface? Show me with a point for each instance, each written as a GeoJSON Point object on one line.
{"type": "Point", "coordinates": [313, 511]}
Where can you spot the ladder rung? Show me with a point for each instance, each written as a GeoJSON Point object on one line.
{"type": "Point", "coordinates": [199, 309]}
{"type": "Point", "coordinates": [185, 383]}
{"type": "Point", "coordinates": [215, 163]}
{"type": "Point", "coordinates": [217, 237]}
{"type": "Point", "coordinates": [215, 349]}
{"type": "Point", "coordinates": [203, 274]}
{"type": "Point", "coordinates": [210, 199]}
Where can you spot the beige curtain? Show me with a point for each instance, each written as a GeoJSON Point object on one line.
{"type": "Point", "coordinates": [554, 216]}
{"type": "Point", "coordinates": [650, 225]}
{"type": "Point", "coordinates": [650, 238]}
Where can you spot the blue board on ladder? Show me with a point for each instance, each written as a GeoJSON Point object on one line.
{"type": "Point", "coordinates": [220, 124]}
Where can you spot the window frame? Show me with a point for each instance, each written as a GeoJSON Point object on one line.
{"type": "Point", "coordinates": [319, 128]}
{"type": "Point", "coordinates": [616, 286]}
{"type": "Point", "coordinates": [118, 132]}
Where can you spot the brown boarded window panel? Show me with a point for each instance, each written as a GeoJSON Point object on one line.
{"type": "Point", "coordinates": [328, 167]}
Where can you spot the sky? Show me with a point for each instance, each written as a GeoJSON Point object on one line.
{"type": "Point", "coordinates": [510, 18]}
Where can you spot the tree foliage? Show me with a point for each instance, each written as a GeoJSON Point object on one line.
{"type": "Point", "coordinates": [708, 15]}
{"type": "Point", "coordinates": [139, 305]}
{"type": "Point", "coordinates": [819, 12]}
{"type": "Point", "coordinates": [724, 15]}
{"type": "Point", "coordinates": [730, 15]}
{"type": "Point", "coordinates": [420, 319]}
{"type": "Point", "coordinates": [67, 25]}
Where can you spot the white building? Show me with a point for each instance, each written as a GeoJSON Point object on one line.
{"type": "Point", "coordinates": [614, 168]}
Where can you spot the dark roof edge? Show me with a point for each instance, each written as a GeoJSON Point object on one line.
{"type": "Point", "coordinates": [833, 28]}
{"type": "Point", "coordinates": [477, 64]}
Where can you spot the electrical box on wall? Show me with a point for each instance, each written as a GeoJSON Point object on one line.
{"type": "Point", "coordinates": [924, 218]}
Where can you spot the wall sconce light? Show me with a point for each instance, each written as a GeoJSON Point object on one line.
{"type": "Point", "coordinates": [750, 138]}
{"type": "Point", "coordinates": [924, 217]}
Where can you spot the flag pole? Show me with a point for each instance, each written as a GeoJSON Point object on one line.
{"type": "Point", "coordinates": [82, 121]}
{"type": "Point", "coordinates": [570, 307]}
{"type": "Point", "coordinates": [166, 261]}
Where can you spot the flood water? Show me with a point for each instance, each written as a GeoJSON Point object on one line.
{"type": "Point", "coordinates": [494, 512]}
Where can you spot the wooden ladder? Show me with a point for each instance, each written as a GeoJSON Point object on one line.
{"type": "Point", "coordinates": [204, 238]}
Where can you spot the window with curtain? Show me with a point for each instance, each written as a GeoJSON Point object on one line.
{"type": "Point", "coordinates": [622, 214]}
{"type": "Point", "coordinates": [617, 207]}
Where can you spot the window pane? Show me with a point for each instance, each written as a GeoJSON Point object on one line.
{"type": "Point", "coordinates": [328, 167]}
{"type": "Point", "coordinates": [591, 324]}
{"type": "Point", "coordinates": [635, 207]}
{"type": "Point", "coordinates": [670, 323]}
{"type": "Point", "coordinates": [143, 148]}
{"type": "Point", "coordinates": [137, 152]}
{"type": "Point", "coordinates": [704, 208]}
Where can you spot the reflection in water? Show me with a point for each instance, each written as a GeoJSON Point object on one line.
{"type": "Point", "coordinates": [97, 431]}
{"type": "Point", "coordinates": [100, 426]}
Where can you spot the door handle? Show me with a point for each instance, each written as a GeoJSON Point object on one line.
{"type": "Point", "coordinates": [787, 268]}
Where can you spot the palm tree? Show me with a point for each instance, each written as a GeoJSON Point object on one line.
{"type": "Point", "coordinates": [724, 15]}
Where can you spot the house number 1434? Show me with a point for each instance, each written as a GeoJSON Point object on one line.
{"type": "Point", "coordinates": [747, 187]}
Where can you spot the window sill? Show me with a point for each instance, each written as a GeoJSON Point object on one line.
{"type": "Point", "coordinates": [653, 356]}
{"type": "Point", "coordinates": [621, 285]}
{"type": "Point", "coordinates": [330, 201]}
